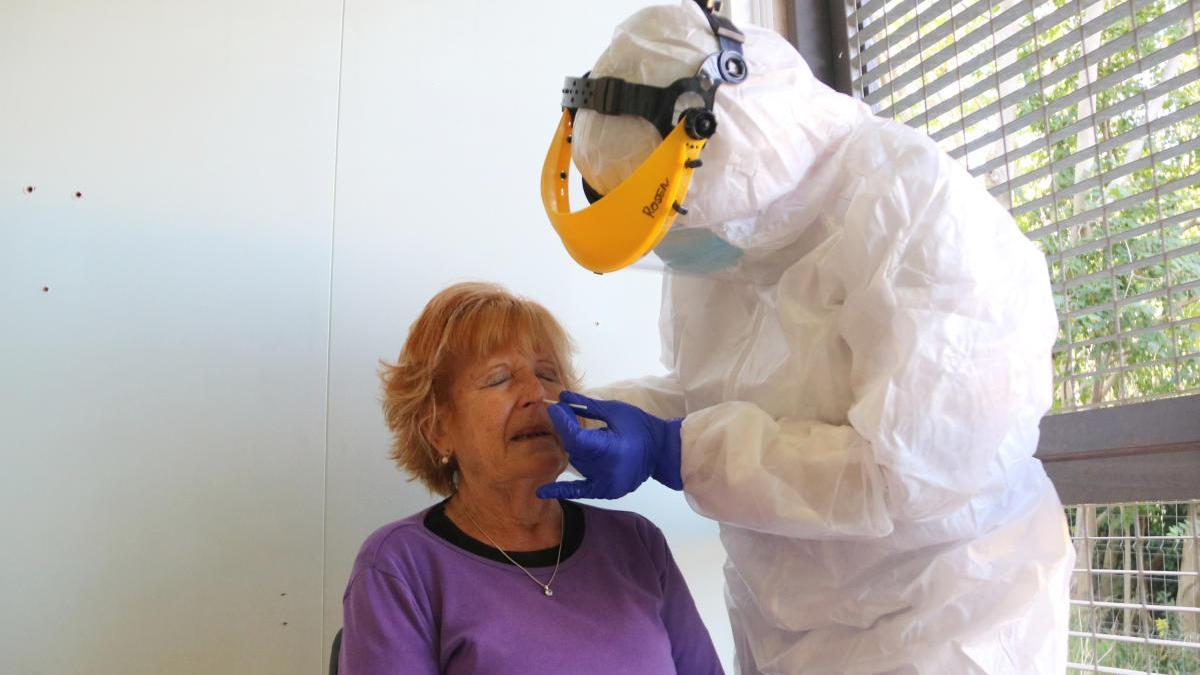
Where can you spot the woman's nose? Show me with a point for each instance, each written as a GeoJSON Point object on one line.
{"type": "Point", "coordinates": [533, 389]}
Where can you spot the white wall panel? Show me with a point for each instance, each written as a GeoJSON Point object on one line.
{"type": "Point", "coordinates": [447, 111]}
{"type": "Point", "coordinates": [162, 402]}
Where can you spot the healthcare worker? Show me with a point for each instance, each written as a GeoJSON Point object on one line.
{"type": "Point", "coordinates": [859, 341]}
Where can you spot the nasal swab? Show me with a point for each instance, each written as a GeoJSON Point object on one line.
{"type": "Point", "coordinates": [577, 406]}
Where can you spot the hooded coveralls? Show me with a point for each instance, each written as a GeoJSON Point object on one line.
{"type": "Point", "coordinates": [861, 392]}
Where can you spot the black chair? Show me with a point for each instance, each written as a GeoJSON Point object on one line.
{"type": "Point", "coordinates": [333, 656]}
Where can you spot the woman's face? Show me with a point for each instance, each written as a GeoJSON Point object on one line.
{"type": "Point", "coordinates": [496, 425]}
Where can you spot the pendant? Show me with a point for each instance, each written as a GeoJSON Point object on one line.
{"type": "Point", "coordinates": [549, 593]}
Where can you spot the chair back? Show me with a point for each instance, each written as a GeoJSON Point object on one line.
{"type": "Point", "coordinates": [333, 655]}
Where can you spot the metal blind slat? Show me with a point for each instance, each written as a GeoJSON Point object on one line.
{"type": "Point", "coordinates": [1117, 370]}
{"type": "Point", "coordinates": [981, 87]}
{"type": "Point", "coordinates": [1102, 116]}
{"type": "Point", "coordinates": [977, 35]}
{"type": "Point", "coordinates": [902, 31]}
{"type": "Point", "coordinates": [878, 21]}
{"type": "Point", "coordinates": [1098, 244]}
{"type": "Point", "coordinates": [1006, 45]}
{"type": "Point", "coordinates": [1183, 609]}
{"type": "Point", "coordinates": [1139, 639]}
{"type": "Point", "coordinates": [981, 33]}
{"type": "Point", "coordinates": [1100, 211]}
{"type": "Point", "coordinates": [1134, 134]}
{"type": "Point", "coordinates": [1064, 347]}
{"type": "Point", "coordinates": [869, 8]}
{"type": "Point", "coordinates": [1107, 670]}
{"type": "Point", "coordinates": [1109, 176]}
{"type": "Point", "coordinates": [1129, 572]}
{"type": "Point", "coordinates": [1003, 47]}
{"type": "Point", "coordinates": [1031, 118]}
{"type": "Point", "coordinates": [1125, 267]}
{"type": "Point", "coordinates": [1126, 105]}
{"type": "Point", "coordinates": [1122, 302]}
{"type": "Point", "coordinates": [911, 26]}
{"type": "Point", "coordinates": [1137, 133]}
{"type": "Point", "coordinates": [871, 31]}
{"type": "Point", "coordinates": [1124, 42]}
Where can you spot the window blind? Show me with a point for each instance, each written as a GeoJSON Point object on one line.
{"type": "Point", "coordinates": [1083, 118]}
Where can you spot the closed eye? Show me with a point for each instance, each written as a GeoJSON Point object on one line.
{"type": "Point", "coordinates": [495, 380]}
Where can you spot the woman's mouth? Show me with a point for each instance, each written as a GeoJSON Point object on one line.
{"type": "Point", "coordinates": [528, 434]}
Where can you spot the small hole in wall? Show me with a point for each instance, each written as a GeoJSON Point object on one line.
{"type": "Point", "coordinates": [29, 189]}
{"type": "Point", "coordinates": [285, 623]}
{"type": "Point", "coordinates": [78, 195]}
{"type": "Point", "coordinates": [45, 289]}
{"type": "Point", "coordinates": [282, 594]}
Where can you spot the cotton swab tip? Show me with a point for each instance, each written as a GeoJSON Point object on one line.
{"type": "Point", "coordinates": [577, 406]}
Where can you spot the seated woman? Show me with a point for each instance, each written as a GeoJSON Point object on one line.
{"type": "Point", "coordinates": [493, 579]}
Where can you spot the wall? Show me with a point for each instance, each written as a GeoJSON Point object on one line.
{"type": "Point", "coordinates": [268, 193]}
{"type": "Point", "coordinates": [163, 341]}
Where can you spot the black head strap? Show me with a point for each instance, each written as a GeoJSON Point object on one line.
{"type": "Point", "coordinates": [614, 96]}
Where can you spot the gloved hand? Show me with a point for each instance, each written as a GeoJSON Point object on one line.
{"type": "Point", "coordinates": [616, 460]}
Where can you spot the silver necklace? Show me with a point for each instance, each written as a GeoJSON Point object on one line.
{"type": "Point", "coordinates": [546, 586]}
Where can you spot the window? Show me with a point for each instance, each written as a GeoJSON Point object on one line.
{"type": "Point", "coordinates": [1083, 117]}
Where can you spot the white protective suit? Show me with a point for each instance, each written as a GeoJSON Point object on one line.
{"type": "Point", "coordinates": [863, 390]}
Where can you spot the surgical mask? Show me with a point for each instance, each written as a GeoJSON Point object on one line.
{"type": "Point", "coordinates": [696, 250]}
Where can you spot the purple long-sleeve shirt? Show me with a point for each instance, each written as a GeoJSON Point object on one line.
{"type": "Point", "coordinates": [424, 598]}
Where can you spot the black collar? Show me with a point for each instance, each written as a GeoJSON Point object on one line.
{"type": "Point", "coordinates": [438, 523]}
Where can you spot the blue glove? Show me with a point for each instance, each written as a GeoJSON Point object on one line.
{"type": "Point", "coordinates": [616, 460]}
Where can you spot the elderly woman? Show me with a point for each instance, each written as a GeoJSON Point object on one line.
{"type": "Point", "coordinates": [493, 579]}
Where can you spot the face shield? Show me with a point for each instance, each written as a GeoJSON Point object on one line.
{"type": "Point", "coordinates": [621, 226]}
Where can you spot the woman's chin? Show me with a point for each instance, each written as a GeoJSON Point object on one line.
{"type": "Point", "coordinates": [541, 459]}
{"type": "Point", "coordinates": [549, 460]}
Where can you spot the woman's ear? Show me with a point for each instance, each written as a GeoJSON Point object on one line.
{"type": "Point", "coordinates": [434, 431]}
{"type": "Point", "coordinates": [432, 436]}
{"type": "Point", "coordinates": [437, 425]}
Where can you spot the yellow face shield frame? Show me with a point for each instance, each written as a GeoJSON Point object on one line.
{"type": "Point", "coordinates": [628, 222]}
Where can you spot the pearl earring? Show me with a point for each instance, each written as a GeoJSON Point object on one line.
{"type": "Point", "coordinates": [445, 460]}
